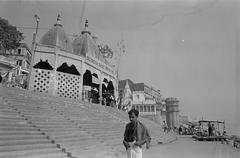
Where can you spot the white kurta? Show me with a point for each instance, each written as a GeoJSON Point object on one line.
{"type": "Point", "coordinates": [134, 152]}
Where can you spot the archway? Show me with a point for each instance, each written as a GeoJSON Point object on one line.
{"type": "Point", "coordinates": [110, 99]}
{"type": "Point", "coordinates": [87, 85]}
{"type": "Point", "coordinates": [104, 91]}
{"type": "Point", "coordinates": [95, 89]}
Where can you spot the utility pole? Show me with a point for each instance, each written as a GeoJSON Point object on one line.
{"type": "Point", "coordinates": [33, 47]}
{"type": "Point", "coordinates": [120, 50]}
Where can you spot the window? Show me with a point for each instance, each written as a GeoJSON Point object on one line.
{"type": "Point", "coordinates": [19, 51]}
{"type": "Point", "coordinates": [148, 108]}
{"type": "Point", "coordinates": [152, 108]}
{"type": "Point", "coordinates": [137, 107]}
{"type": "Point", "coordinates": [141, 108]}
{"type": "Point", "coordinates": [133, 107]}
{"type": "Point", "coordinates": [19, 62]}
{"type": "Point", "coordinates": [145, 108]}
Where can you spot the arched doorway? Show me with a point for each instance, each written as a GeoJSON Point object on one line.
{"type": "Point", "coordinates": [95, 89]}
{"type": "Point", "coordinates": [104, 91]}
{"type": "Point", "coordinates": [110, 98]}
{"type": "Point", "coordinates": [87, 86]}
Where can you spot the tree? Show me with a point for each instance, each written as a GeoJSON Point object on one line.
{"type": "Point", "coordinates": [10, 37]}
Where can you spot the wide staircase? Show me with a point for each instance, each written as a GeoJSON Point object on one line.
{"type": "Point", "coordinates": [36, 125]}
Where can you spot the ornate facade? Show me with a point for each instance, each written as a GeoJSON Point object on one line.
{"type": "Point", "coordinates": [75, 70]}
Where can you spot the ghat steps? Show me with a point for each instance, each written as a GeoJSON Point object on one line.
{"type": "Point", "coordinates": [40, 126]}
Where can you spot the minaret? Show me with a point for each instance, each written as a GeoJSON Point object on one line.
{"type": "Point", "coordinates": [86, 28]}
{"type": "Point", "coordinates": [58, 23]}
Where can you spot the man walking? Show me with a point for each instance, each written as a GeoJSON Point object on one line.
{"type": "Point", "coordinates": [135, 135]}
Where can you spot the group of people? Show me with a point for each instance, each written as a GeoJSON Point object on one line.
{"type": "Point", "coordinates": [211, 129]}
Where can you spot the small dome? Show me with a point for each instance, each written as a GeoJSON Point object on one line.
{"type": "Point", "coordinates": [57, 37]}
{"type": "Point", "coordinates": [85, 44]}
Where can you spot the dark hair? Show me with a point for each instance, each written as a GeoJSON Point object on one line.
{"type": "Point", "coordinates": [133, 111]}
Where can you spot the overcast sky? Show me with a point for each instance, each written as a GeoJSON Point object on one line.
{"type": "Point", "coordinates": [188, 49]}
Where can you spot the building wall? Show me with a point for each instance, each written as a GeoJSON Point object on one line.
{"type": "Point", "coordinates": [15, 64]}
{"type": "Point", "coordinates": [138, 97]}
{"type": "Point", "coordinates": [52, 81]}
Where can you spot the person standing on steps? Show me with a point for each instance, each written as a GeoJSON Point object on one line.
{"type": "Point", "coordinates": [135, 135]}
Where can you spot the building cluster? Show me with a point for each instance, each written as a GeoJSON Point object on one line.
{"type": "Point", "coordinates": [15, 66]}
{"type": "Point", "coordinates": [149, 102]}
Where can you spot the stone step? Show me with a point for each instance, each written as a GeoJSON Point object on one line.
{"type": "Point", "coordinates": [24, 142]}
{"type": "Point", "coordinates": [50, 122]}
{"type": "Point", "coordinates": [65, 132]}
{"type": "Point", "coordinates": [38, 153]}
{"type": "Point", "coordinates": [76, 141]}
{"type": "Point", "coordinates": [68, 125]}
{"type": "Point", "coordinates": [37, 112]}
{"type": "Point", "coordinates": [100, 123]}
{"type": "Point", "coordinates": [90, 121]}
{"type": "Point", "coordinates": [16, 132]}
{"type": "Point", "coordinates": [107, 134]}
{"type": "Point", "coordinates": [9, 114]}
{"type": "Point", "coordinates": [100, 128]}
{"type": "Point", "coordinates": [20, 123]}
{"type": "Point", "coordinates": [87, 152]}
{"type": "Point", "coordinates": [21, 137]}
{"type": "Point", "coordinates": [47, 129]}
{"type": "Point", "coordinates": [42, 120]}
{"type": "Point", "coordinates": [70, 146]}
{"type": "Point", "coordinates": [40, 115]}
{"type": "Point", "coordinates": [6, 109]}
{"type": "Point", "coordinates": [46, 155]}
{"type": "Point", "coordinates": [73, 139]}
{"type": "Point", "coordinates": [13, 118]}
{"type": "Point", "coordinates": [16, 128]}
{"type": "Point", "coordinates": [23, 147]}
{"type": "Point", "coordinates": [43, 117]}
{"type": "Point", "coordinates": [68, 134]}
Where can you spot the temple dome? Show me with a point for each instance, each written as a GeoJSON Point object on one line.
{"type": "Point", "coordinates": [57, 37]}
{"type": "Point", "coordinates": [86, 44]}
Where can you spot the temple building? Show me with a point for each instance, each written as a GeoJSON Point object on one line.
{"type": "Point", "coordinates": [147, 100]}
{"type": "Point", "coordinates": [75, 70]}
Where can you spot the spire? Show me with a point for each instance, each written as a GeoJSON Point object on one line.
{"type": "Point", "coordinates": [86, 28]}
{"type": "Point", "coordinates": [86, 24]}
{"type": "Point", "coordinates": [58, 23]}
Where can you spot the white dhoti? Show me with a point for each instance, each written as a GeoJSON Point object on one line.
{"type": "Point", "coordinates": [134, 152]}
